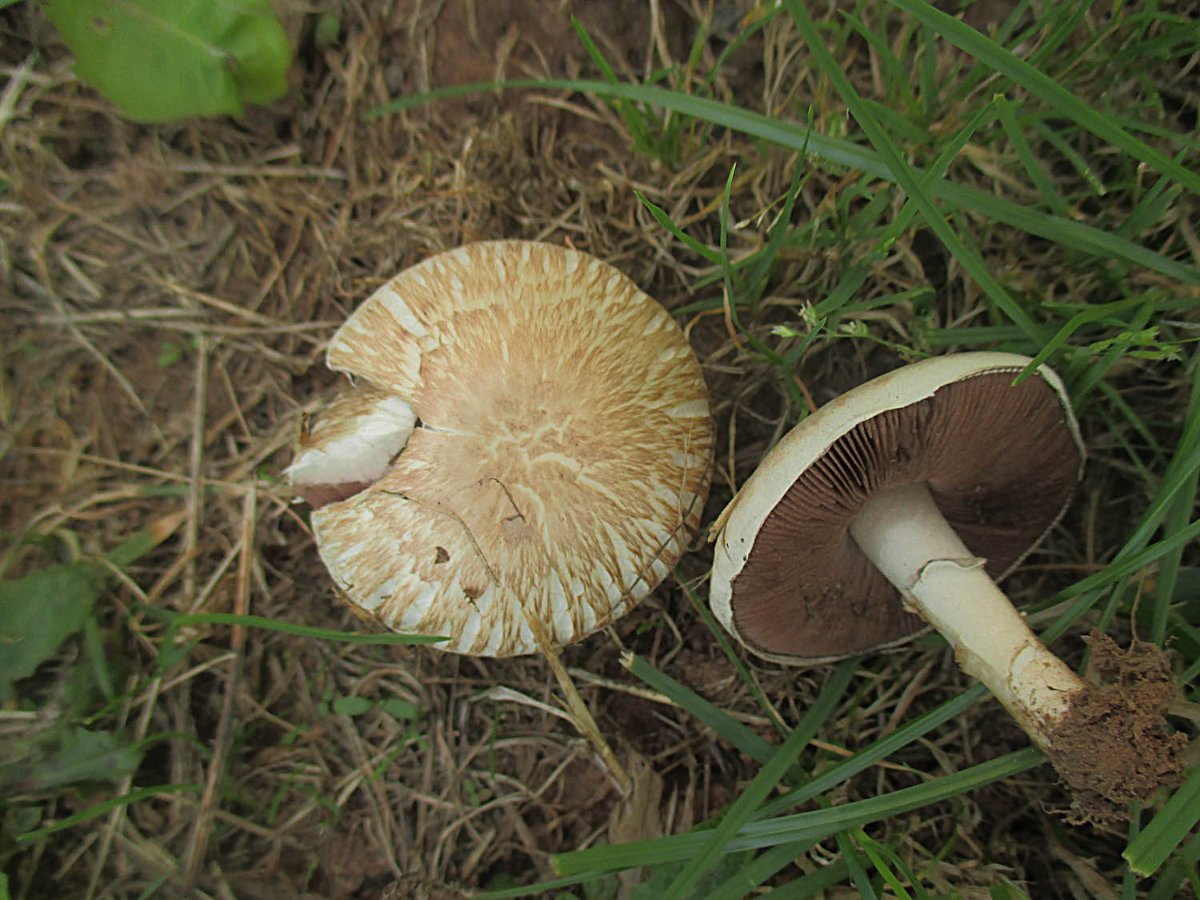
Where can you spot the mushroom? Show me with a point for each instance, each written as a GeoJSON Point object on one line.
{"type": "Point", "coordinates": [522, 458]}
{"type": "Point", "coordinates": [897, 506]}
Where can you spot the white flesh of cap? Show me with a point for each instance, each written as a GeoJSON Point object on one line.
{"type": "Point", "coordinates": [359, 450]}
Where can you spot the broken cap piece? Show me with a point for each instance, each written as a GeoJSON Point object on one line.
{"type": "Point", "coordinates": [1000, 461]}
{"type": "Point", "coordinates": [555, 466]}
{"type": "Point", "coordinates": [350, 445]}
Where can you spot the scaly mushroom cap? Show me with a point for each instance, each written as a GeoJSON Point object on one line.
{"type": "Point", "coordinates": [559, 461]}
{"type": "Point", "coordinates": [1001, 463]}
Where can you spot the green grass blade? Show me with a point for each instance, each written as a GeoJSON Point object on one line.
{"type": "Point", "coordinates": [1153, 206]}
{"type": "Point", "coordinates": [854, 862]}
{"type": "Point", "coordinates": [891, 867]}
{"type": "Point", "coordinates": [982, 336]}
{"type": "Point", "coordinates": [727, 727]}
{"type": "Point", "coordinates": [1181, 867]}
{"type": "Point", "coordinates": [665, 221]}
{"type": "Point", "coordinates": [1066, 232]}
{"type": "Point", "coordinates": [1071, 155]}
{"type": "Point", "coordinates": [1174, 822]}
{"type": "Point", "coordinates": [762, 18]}
{"type": "Point", "coordinates": [740, 667]}
{"type": "Point", "coordinates": [1064, 334]}
{"type": "Point", "coordinates": [1178, 513]}
{"type": "Point", "coordinates": [855, 277]}
{"type": "Point", "coordinates": [1113, 396]}
{"type": "Point", "coordinates": [779, 231]}
{"type": "Point", "coordinates": [107, 806]}
{"type": "Point", "coordinates": [630, 115]}
{"type": "Point", "coordinates": [1063, 21]}
{"type": "Point", "coordinates": [764, 782]}
{"type": "Point", "coordinates": [1135, 553]}
{"type": "Point", "coordinates": [896, 75]}
{"type": "Point", "coordinates": [1081, 384]}
{"type": "Point", "coordinates": [811, 885]}
{"type": "Point", "coordinates": [897, 124]}
{"type": "Point", "coordinates": [1124, 564]}
{"type": "Point", "coordinates": [878, 751]}
{"type": "Point", "coordinates": [542, 888]}
{"type": "Point", "coordinates": [814, 825]}
{"type": "Point", "coordinates": [758, 749]}
{"type": "Point", "coordinates": [747, 291]}
{"type": "Point", "coordinates": [927, 76]}
{"type": "Point", "coordinates": [267, 624]}
{"type": "Point", "coordinates": [743, 882]}
{"type": "Point", "coordinates": [1128, 876]}
{"type": "Point", "coordinates": [908, 179]}
{"type": "Point", "coordinates": [1029, 161]}
{"type": "Point", "coordinates": [1046, 89]}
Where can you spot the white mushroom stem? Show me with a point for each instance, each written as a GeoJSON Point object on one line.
{"type": "Point", "coordinates": [904, 534]}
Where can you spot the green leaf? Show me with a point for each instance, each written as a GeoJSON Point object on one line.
{"type": "Point", "coordinates": [40, 611]}
{"type": "Point", "coordinates": [70, 756]}
{"type": "Point", "coordinates": [401, 709]}
{"type": "Point", "coordinates": [169, 354]}
{"type": "Point", "coordinates": [160, 60]}
{"type": "Point", "coordinates": [37, 613]}
{"type": "Point", "coordinates": [352, 706]}
{"type": "Point", "coordinates": [327, 31]}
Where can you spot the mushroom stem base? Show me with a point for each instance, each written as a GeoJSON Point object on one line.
{"type": "Point", "coordinates": [1110, 744]}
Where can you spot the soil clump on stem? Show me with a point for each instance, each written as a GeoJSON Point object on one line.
{"type": "Point", "coordinates": [1113, 746]}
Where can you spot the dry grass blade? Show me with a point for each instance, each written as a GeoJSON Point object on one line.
{"type": "Point", "coordinates": [202, 824]}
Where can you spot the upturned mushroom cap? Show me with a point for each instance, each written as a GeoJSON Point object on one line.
{"type": "Point", "coordinates": [1001, 462]}
{"type": "Point", "coordinates": [560, 456]}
